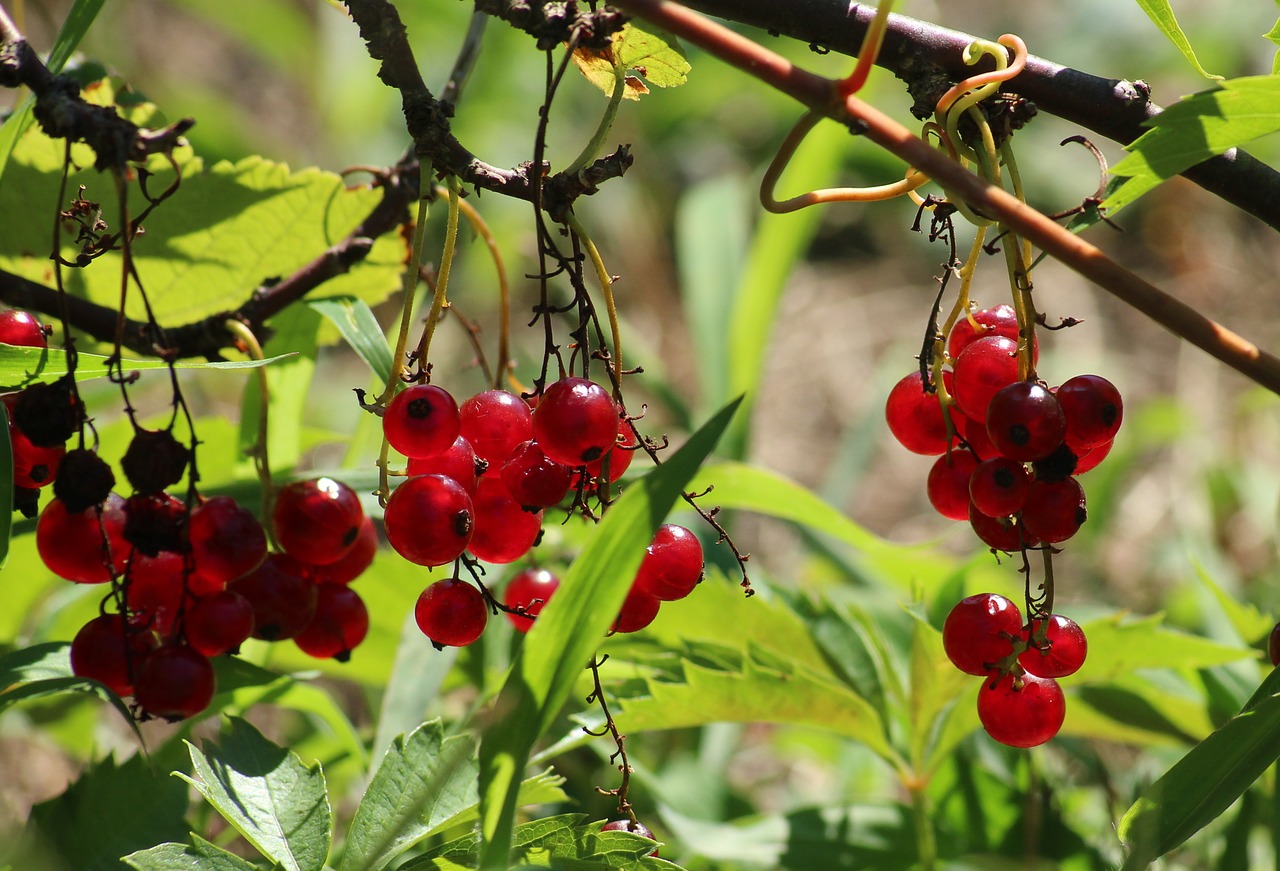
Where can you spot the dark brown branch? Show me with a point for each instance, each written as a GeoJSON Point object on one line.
{"type": "Point", "coordinates": [553, 24]}
{"type": "Point", "coordinates": [917, 51]}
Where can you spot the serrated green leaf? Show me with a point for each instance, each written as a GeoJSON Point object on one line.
{"type": "Point", "coordinates": [1193, 130]}
{"type": "Point", "coordinates": [655, 57]}
{"type": "Point", "coordinates": [278, 804]}
{"type": "Point", "coordinates": [1161, 14]}
{"type": "Point", "coordinates": [110, 811]}
{"type": "Point", "coordinates": [423, 781]}
{"type": "Point", "coordinates": [355, 320]}
{"type": "Point", "coordinates": [45, 670]}
{"type": "Point", "coordinates": [1205, 782]}
{"type": "Point", "coordinates": [199, 854]}
{"type": "Point", "coordinates": [570, 627]}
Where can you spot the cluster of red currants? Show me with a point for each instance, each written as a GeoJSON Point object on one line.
{"type": "Point", "coordinates": [1023, 443]}
{"type": "Point", "coordinates": [1021, 703]}
{"type": "Point", "coordinates": [481, 476]}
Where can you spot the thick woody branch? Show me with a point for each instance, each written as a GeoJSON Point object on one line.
{"type": "Point", "coordinates": [553, 24]}
{"type": "Point", "coordinates": [923, 55]}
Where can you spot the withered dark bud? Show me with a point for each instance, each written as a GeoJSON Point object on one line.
{"type": "Point", "coordinates": [49, 414]}
{"type": "Point", "coordinates": [84, 479]}
{"type": "Point", "coordinates": [154, 461]}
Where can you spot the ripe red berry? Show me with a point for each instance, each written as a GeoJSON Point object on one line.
{"type": "Point", "coordinates": [1000, 533]}
{"type": "Point", "coordinates": [983, 367]}
{"type": "Point", "coordinates": [504, 531]}
{"type": "Point", "coordinates": [154, 523]}
{"type": "Point", "coordinates": [109, 651]}
{"type": "Point", "coordinates": [1093, 410]}
{"type": "Point", "coordinates": [494, 422]}
{"type": "Point", "coordinates": [634, 828]}
{"type": "Point", "coordinates": [998, 486]}
{"type": "Point", "coordinates": [175, 683]}
{"type": "Point", "coordinates": [22, 328]}
{"type": "Point", "coordinates": [452, 613]}
{"type": "Point", "coordinates": [155, 590]}
{"type": "Point", "coordinates": [457, 462]}
{"type": "Point", "coordinates": [576, 421]}
{"type": "Point", "coordinates": [1065, 653]}
{"type": "Point", "coordinates": [974, 433]}
{"type": "Point", "coordinates": [353, 565]}
{"type": "Point", "coordinates": [915, 416]}
{"type": "Point", "coordinates": [529, 590]}
{"type": "Point", "coordinates": [638, 611]}
{"type": "Point", "coordinates": [281, 594]}
{"type": "Point", "coordinates": [1092, 457]}
{"type": "Point", "coordinates": [979, 630]}
{"type": "Point", "coordinates": [1021, 712]}
{"type": "Point", "coordinates": [33, 466]}
{"type": "Point", "coordinates": [1054, 511]}
{"type": "Point", "coordinates": [672, 564]}
{"type": "Point", "coordinates": [318, 520]}
{"type": "Point", "coordinates": [618, 458]}
{"type": "Point", "coordinates": [948, 483]}
{"type": "Point", "coordinates": [1000, 320]}
{"type": "Point", "coordinates": [340, 623]}
{"type": "Point", "coordinates": [421, 421]}
{"type": "Point", "coordinates": [227, 541]}
{"type": "Point", "coordinates": [1273, 645]}
{"type": "Point", "coordinates": [429, 520]}
{"type": "Point", "coordinates": [1025, 421]}
{"type": "Point", "coordinates": [218, 623]}
{"type": "Point", "coordinates": [533, 479]}
{"type": "Point", "coordinates": [72, 544]}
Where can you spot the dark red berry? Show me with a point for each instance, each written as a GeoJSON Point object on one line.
{"type": "Point", "coordinates": [634, 828]}
{"type": "Point", "coordinates": [175, 683]}
{"type": "Point", "coordinates": [1064, 650]}
{"type": "Point", "coordinates": [998, 487]}
{"type": "Point", "coordinates": [33, 466]}
{"type": "Point", "coordinates": [154, 461]}
{"type": "Point", "coordinates": [618, 458]}
{"type": "Point", "coordinates": [1273, 645]}
{"type": "Point", "coordinates": [459, 462]}
{"type": "Point", "coordinates": [83, 479]}
{"type": "Point", "coordinates": [429, 520]}
{"type": "Point", "coordinates": [218, 623]}
{"type": "Point", "coordinates": [49, 414]}
{"type": "Point", "coordinates": [1060, 464]}
{"type": "Point", "coordinates": [155, 591]}
{"type": "Point", "coordinates": [533, 479]}
{"type": "Point", "coordinates": [1093, 410]}
{"type": "Point", "coordinates": [1054, 511]}
{"type": "Point", "coordinates": [1090, 459]}
{"type": "Point", "coordinates": [979, 632]}
{"type": "Point", "coordinates": [22, 328]}
{"type": "Point", "coordinates": [672, 564]}
{"type": "Point", "coordinates": [421, 421]}
{"type": "Point", "coordinates": [528, 591]}
{"type": "Point", "coordinates": [948, 484]}
{"type": "Point", "coordinates": [638, 611]}
{"type": "Point", "coordinates": [915, 416]}
{"type": "Point", "coordinates": [504, 531]}
{"type": "Point", "coordinates": [494, 422]}
{"type": "Point", "coordinates": [576, 421]}
{"type": "Point", "coordinates": [452, 613]}
{"type": "Point", "coordinates": [155, 523]}
{"type": "Point", "coordinates": [353, 565]}
{"type": "Point", "coordinates": [108, 650]}
{"type": "Point", "coordinates": [317, 520]}
{"type": "Point", "coordinates": [281, 594]}
{"type": "Point", "coordinates": [72, 544]}
{"type": "Point", "coordinates": [227, 540]}
{"type": "Point", "coordinates": [340, 623]}
{"type": "Point", "coordinates": [982, 368]}
{"type": "Point", "coordinates": [1021, 712]}
{"type": "Point", "coordinates": [1025, 421]}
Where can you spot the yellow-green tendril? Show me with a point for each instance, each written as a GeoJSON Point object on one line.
{"type": "Point", "coordinates": [440, 300]}
{"type": "Point", "coordinates": [606, 285]}
{"type": "Point", "coordinates": [593, 147]}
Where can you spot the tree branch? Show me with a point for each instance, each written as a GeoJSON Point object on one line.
{"type": "Point", "coordinates": [928, 57]}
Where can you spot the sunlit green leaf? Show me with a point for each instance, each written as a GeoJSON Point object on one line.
{"type": "Point", "coordinates": [655, 57]}
{"type": "Point", "coordinates": [1162, 15]}
{"type": "Point", "coordinates": [355, 320]}
{"type": "Point", "coordinates": [186, 857]}
{"type": "Point", "coordinates": [1119, 646]}
{"type": "Point", "coordinates": [565, 842]}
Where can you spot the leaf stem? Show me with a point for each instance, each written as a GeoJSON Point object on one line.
{"type": "Point", "coordinates": [593, 147]}
{"type": "Point", "coordinates": [440, 299]}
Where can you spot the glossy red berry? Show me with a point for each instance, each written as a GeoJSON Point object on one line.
{"type": "Point", "coordinates": [529, 590]}
{"type": "Point", "coordinates": [576, 421]}
{"type": "Point", "coordinates": [109, 651]}
{"type": "Point", "coordinates": [634, 828]}
{"type": "Point", "coordinates": [1092, 457]}
{"type": "Point", "coordinates": [218, 623]}
{"type": "Point", "coordinates": [429, 520]}
{"type": "Point", "coordinates": [638, 611]}
{"type": "Point", "coordinates": [282, 595]}
{"type": "Point", "coordinates": [974, 433]}
{"type": "Point", "coordinates": [672, 564]}
{"type": "Point", "coordinates": [533, 479]}
{"type": "Point", "coordinates": [1000, 533]}
{"type": "Point", "coordinates": [983, 367]}
{"type": "Point", "coordinates": [227, 541]}
{"type": "Point", "coordinates": [1000, 320]}
{"type": "Point", "coordinates": [155, 592]}
{"type": "Point", "coordinates": [356, 561]}
{"type": "Point", "coordinates": [1093, 410]}
{"type": "Point", "coordinates": [175, 683]}
{"type": "Point", "coordinates": [421, 421]}
{"type": "Point", "coordinates": [915, 417]}
{"type": "Point", "coordinates": [340, 623]}
{"type": "Point", "coordinates": [317, 520]}
{"type": "Point", "coordinates": [22, 328]}
{"type": "Point", "coordinates": [494, 422]}
{"type": "Point", "coordinates": [452, 613]}
{"type": "Point", "coordinates": [1273, 645]}
{"type": "Point", "coordinates": [998, 486]}
{"type": "Point", "coordinates": [1065, 650]}
{"type": "Point", "coordinates": [1025, 421]}
{"type": "Point", "coordinates": [504, 531]}
{"type": "Point", "coordinates": [1054, 511]}
{"type": "Point", "coordinates": [979, 631]}
{"type": "Point", "coordinates": [1021, 712]}
{"type": "Point", "coordinates": [948, 484]}
{"type": "Point", "coordinates": [459, 462]}
{"type": "Point", "coordinates": [618, 458]}
{"type": "Point", "coordinates": [33, 466]}
{"type": "Point", "coordinates": [72, 544]}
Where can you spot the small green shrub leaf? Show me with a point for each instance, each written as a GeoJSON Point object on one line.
{"type": "Point", "coordinates": [1161, 14]}
{"type": "Point", "coordinates": [185, 857]}
{"type": "Point", "coordinates": [355, 321]}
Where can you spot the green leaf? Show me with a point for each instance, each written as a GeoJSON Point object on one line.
{"type": "Point", "coordinates": [1162, 16]}
{"type": "Point", "coordinates": [566, 841]}
{"type": "Point", "coordinates": [6, 488]}
{"type": "Point", "coordinates": [185, 857]}
{"type": "Point", "coordinates": [297, 330]}
{"type": "Point", "coordinates": [111, 810]}
{"type": "Point", "coordinates": [654, 56]}
{"type": "Point", "coordinates": [355, 320]}
{"type": "Point", "coordinates": [45, 670]}
{"type": "Point", "coordinates": [1205, 782]}
{"type": "Point", "coordinates": [20, 367]}
{"type": "Point", "coordinates": [1250, 623]}
{"type": "Point", "coordinates": [1193, 130]}
{"type": "Point", "coordinates": [1118, 646]}
{"type": "Point", "coordinates": [935, 687]}
{"type": "Point", "coordinates": [1274, 35]}
{"type": "Point", "coordinates": [424, 780]}
{"type": "Point", "coordinates": [278, 804]}
{"type": "Point", "coordinates": [570, 627]}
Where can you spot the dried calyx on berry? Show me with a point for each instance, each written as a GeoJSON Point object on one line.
{"type": "Point", "coordinates": [84, 479]}
{"type": "Point", "coordinates": [154, 461]}
{"type": "Point", "coordinates": [49, 414]}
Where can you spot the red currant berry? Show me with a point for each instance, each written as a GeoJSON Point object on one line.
{"type": "Point", "coordinates": [340, 623]}
{"type": "Point", "coordinates": [175, 683]}
{"type": "Point", "coordinates": [1054, 512]}
{"type": "Point", "coordinates": [451, 613]}
{"type": "Point", "coordinates": [576, 421]}
{"type": "Point", "coordinates": [1273, 645]}
{"type": "Point", "coordinates": [633, 827]}
{"type": "Point", "coordinates": [672, 564]}
{"type": "Point", "coordinates": [974, 433]}
{"type": "Point", "coordinates": [979, 631]}
{"type": "Point", "coordinates": [998, 487]}
{"type": "Point", "coordinates": [638, 611]}
{"type": "Point", "coordinates": [948, 484]}
{"type": "Point", "coordinates": [1000, 533]}
{"type": "Point", "coordinates": [1092, 457]}
{"type": "Point", "coordinates": [533, 479]}
{"type": "Point", "coordinates": [528, 591]}
{"type": "Point", "coordinates": [1059, 465]}
{"type": "Point", "coordinates": [109, 651]}
{"type": "Point", "coordinates": [1093, 410]}
{"type": "Point", "coordinates": [1001, 320]}
{"type": "Point", "coordinates": [982, 368]}
{"type": "Point", "coordinates": [421, 421]}
{"type": "Point", "coordinates": [218, 623]}
{"type": "Point", "coordinates": [281, 594]}
{"type": "Point", "coordinates": [227, 541]}
{"type": "Point", "coordinates": [72, 545]}
{"type": "Point", "coordinates": [154, 523]}
{"type": "Point", "coordinates": [353, 565]}
{"type": "Point", "coordinates": [23, 329]}
{"type": "Point", "coordinates": [318, 520]}
{"type": "Point", "coordinates": [1025, 421]}
{"type": "Point", "coordinates": [504, 531]}
{"type": "Point", "coordinates": [33, 466]}
{"type": "Point", "coordinates": [617, 457]}
{"type": "Point", "coordinates": [915, 416]}
{"type": "Point", "coordinates": [155, 591]}
{"type": "Point", "coordinates": [1023, 712]}
{"type": "Point", "coordinates": [1065, 650]}
{"type": "Point", "coordinates": [429, 520]}
{"type": "Point", "coordinates": [459, 462]}
{"type": "Point", "coordinates": [494, 422]}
